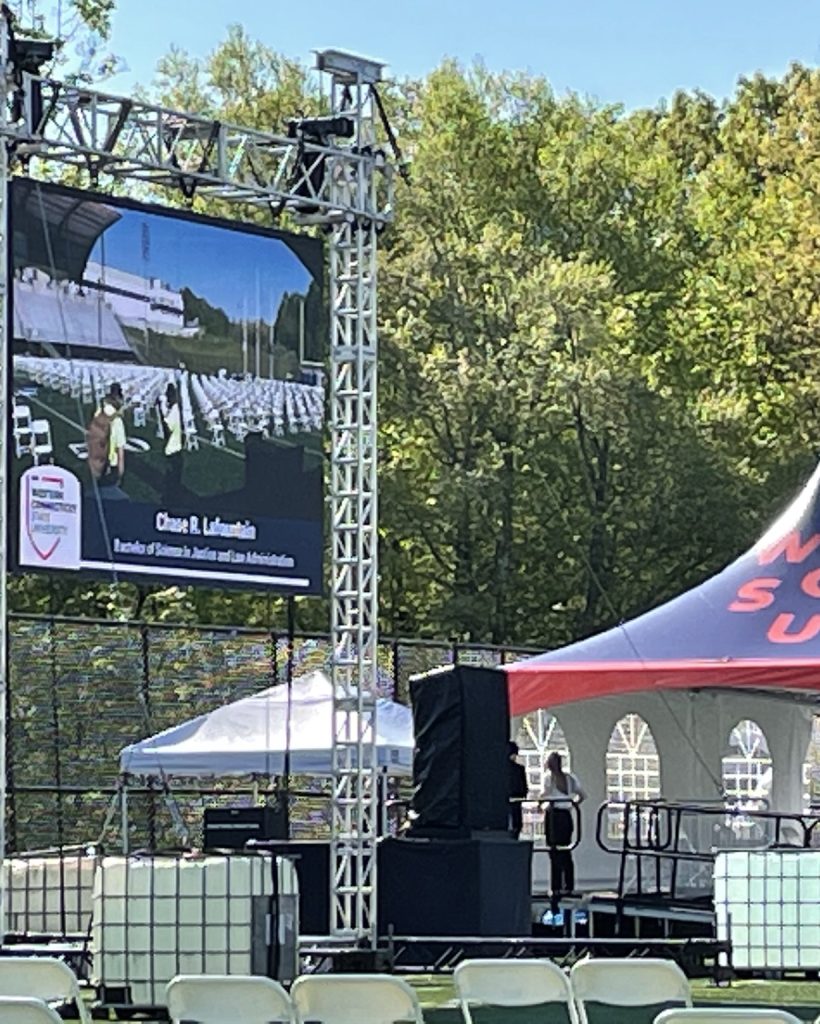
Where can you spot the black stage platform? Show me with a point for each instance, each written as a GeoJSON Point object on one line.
{"type": "Point", "coordinates": [602, 914]}
{"type": "Point", "coordinates": [477, 886]}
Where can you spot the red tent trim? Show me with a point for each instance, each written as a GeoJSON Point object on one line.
{"type": "Point", "coordinates": [535, 685]}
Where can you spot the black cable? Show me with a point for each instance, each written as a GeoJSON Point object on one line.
{"type": "Point", "coordinates": [404, 170]}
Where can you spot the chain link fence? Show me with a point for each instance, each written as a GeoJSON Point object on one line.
{"type": "Point", "coordinates": [81, 690]}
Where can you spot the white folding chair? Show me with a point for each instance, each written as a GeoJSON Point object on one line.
{"type": "Point", "coordinates": [355, 999]}
{"type": "Point", "coordinates": [41, 438]}
{"type": "Point", "coordinates": [511, 983]}
{"type": "Point", "coordinates": [217, 998]}
{"type": "Point", "coordinates": [217, 432]}
{"type": "Point", "coordinates": [621, 982]}
{"type": "Point", "coordinates": [725, 1015]}
{"type": "Point", "coordinates": [41, 977]}
{"type": "Point", "coordinates": [23, 1010]}
{"type": "Point", "coordinates": [22, 430]}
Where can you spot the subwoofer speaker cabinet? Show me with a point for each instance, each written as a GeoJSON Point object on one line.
{"type": "Point", "coordinates": [460, 775]}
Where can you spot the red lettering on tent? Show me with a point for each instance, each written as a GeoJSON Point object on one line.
{"type": "Point", "coordinates": [778, 630]}
{"type": "Point", "coordinates": [791, 547]}
{"type": "Point", "coordinates": [810, 584]}
{"type": "Point", "coordinates": [755, 594]}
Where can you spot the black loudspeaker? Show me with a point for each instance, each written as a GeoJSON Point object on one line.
{"type": "Point", "coordinates": [230, 828]}
{"type": "Point", "coordinates": [461, 717]}
{"type": "Point", "coordinates": [455, 886]}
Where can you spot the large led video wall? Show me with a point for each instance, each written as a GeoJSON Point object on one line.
{"type": "Point", "coordinates": [167, 409]}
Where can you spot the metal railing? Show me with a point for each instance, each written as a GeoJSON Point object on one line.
{"type": "Point", "coordinates": [565, 804]}
{"type": "Point", "coordinates": [669, 834]}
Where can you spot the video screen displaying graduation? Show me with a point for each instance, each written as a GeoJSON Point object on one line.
{"type": "Point", "coordinates": [168, 395]}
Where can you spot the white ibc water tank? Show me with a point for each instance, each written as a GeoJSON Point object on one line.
{"type": "Point", "coordinates": [156, 917]}
{"type": "Point", "coordinates": [48, 895]}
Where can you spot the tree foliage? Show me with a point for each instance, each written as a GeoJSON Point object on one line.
{"type": "Point", "coordinates": [597, 331]}
{"type": "Point", "coordinates": [81, 30]}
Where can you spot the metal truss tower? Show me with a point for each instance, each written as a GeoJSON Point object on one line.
{"type": "Point", "coordinates": [354, 510]}
{"type": "Point", "coordinates": [326, 171]}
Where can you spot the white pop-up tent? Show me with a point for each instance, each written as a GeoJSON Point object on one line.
{"type": "Point", "coordinates": [250, 737]}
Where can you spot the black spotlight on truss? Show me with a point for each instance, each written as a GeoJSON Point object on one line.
{"type": "Point", "coordinates": [310, 164]}
{"type": "Point", "coordinates": [349, 71]}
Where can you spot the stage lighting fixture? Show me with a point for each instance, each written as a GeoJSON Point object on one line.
{"type": "Point", "coordinates": [349, 68]}
{"type": "Point", "coordinates": [320, 131]}
{"type": "Point", "coordinates": [26, 56]}
{"type": "Point", "coordinates": [31, 54]}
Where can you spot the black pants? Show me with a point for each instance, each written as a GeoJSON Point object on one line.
{"type": "Point", "coordinates": [515, 820]}
{"type": "Point", "coordinates": [173, 478]}
{"type": "Point", "coordinates": [110, 476]}
{"type": "Point", "coordinates": [558, 829]}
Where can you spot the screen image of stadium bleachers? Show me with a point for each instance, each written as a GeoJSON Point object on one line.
{"type": "Point", "coordinates": [234, 428]}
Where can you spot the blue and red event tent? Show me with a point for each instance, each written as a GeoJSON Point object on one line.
{"type": "Point", "coordinates": [756, 624]}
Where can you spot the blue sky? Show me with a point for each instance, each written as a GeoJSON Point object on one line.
{"type": "Point", "coordinates": [629, 51]}
{"type": "Point", "coordinates": [239, 272]}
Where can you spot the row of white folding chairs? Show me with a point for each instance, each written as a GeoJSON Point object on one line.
{"type": "Point", "coordinates": [645, 982]}
{"type": "Point", "coordinates": [319, 998]}
{"type": "Point", "coordinates": [141, 387]}
{"type": "Point", "coordinates": [90, 379]}
{"type": "Point", "coordinates": [33, 988]}
{"type": "Point", "coordinates": [289, 406]}
{"type": "Point", "coordinates": [381, 999]}
{"type": "Point", "coordinates": [29, 985]}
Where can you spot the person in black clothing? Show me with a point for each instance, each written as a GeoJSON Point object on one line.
{"type": "Point", "coordinates": [518, 790]}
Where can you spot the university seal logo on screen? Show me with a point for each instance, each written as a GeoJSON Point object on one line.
{"type": "Point", "coordinates": [50, 520]}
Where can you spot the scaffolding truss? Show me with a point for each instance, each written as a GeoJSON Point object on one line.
{"type": "Point", "coordinates": [327, 171]}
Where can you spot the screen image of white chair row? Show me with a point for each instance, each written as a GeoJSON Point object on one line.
{"type": "Point", "coordinates": [43, 980]}
{"type": "Point", "coordinates": [209, 403]}
{"type": "Point", "coordinates": [324, 999]}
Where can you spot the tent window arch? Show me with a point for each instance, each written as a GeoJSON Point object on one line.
{"type": "Point", "coordinates": [811, 769]}
{"type": "Point", "coordinates": [747, 765]}
{"type": "Point", "coordinates": [539, 733]}
{"type": "Point", "coordinates": [633, 768]}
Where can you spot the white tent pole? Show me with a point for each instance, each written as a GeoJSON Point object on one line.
{"type": "Point", "coordinates": [124, 817]}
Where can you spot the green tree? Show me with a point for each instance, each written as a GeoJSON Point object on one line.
{"type": "Point", "coordinates": [81, 30]}
{"type": "Point", "coordinates": [526, 286]}
{"type": "Point", "coordinates": [753, 317]}
{"type": "Point", "coordinates": [596, 372]}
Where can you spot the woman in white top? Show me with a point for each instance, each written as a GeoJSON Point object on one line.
{"type": "Point", "coordinates": [560, 790]}
{"type": "Point", "coordinates": [172, 429]}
